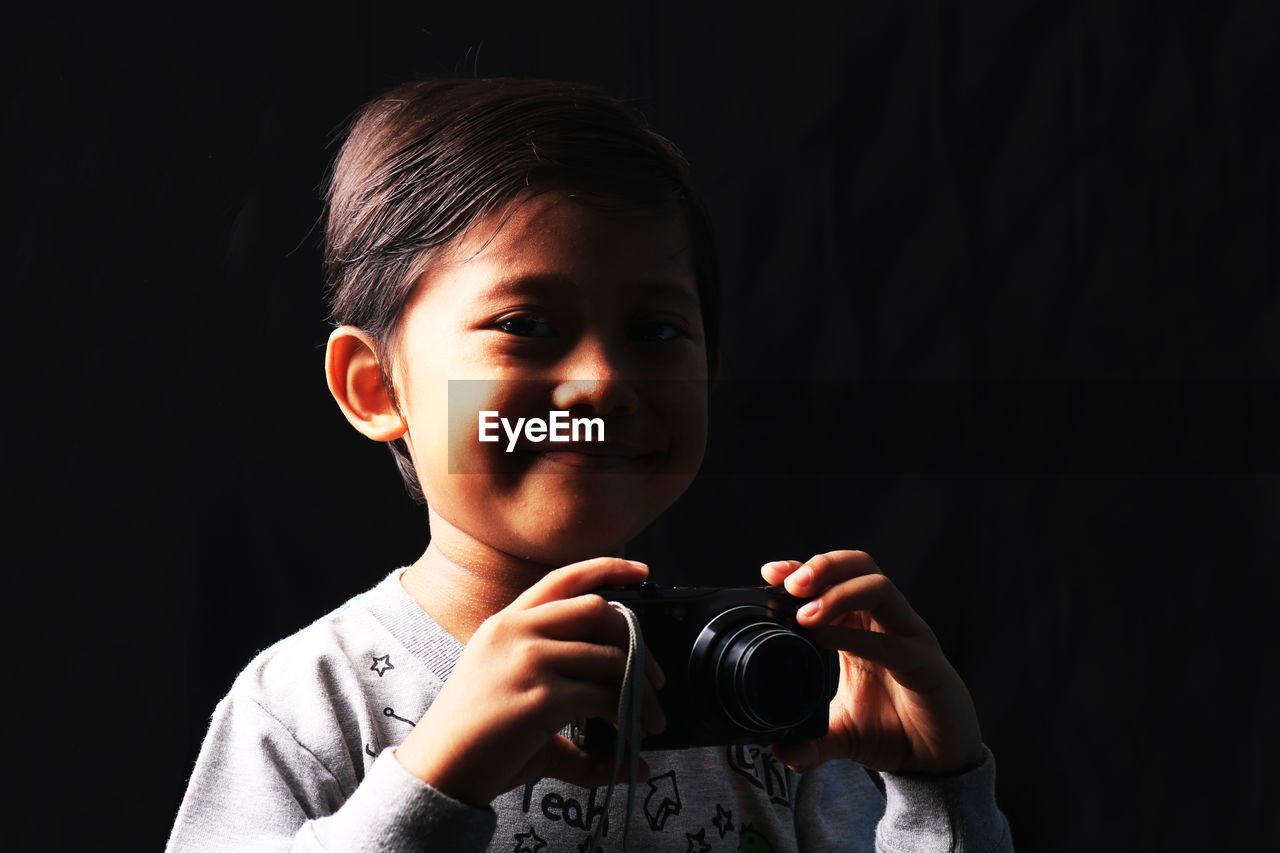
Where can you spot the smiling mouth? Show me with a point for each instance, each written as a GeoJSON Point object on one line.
{"type": "Point", "coordinates": [591, 456]}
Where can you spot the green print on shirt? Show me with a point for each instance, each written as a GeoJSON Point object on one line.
{"type": "Point", "coordinates": [753, 842]}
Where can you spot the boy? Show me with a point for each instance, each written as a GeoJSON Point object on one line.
{"type": "Point", "coordinates": [533, 244]}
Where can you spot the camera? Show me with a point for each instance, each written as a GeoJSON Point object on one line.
{"type": "Point", "coordinates": [739, 668]}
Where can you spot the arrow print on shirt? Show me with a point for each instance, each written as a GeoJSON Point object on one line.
{"type": "Point", "coordinates": [663, 800]}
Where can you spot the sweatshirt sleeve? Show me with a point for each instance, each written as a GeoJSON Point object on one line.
{"type": "Point", "coordinates": [393, 810]}
{"type": "Point", "coordinates": [255, 787]}
{"type": "Point", "coordinates": [924, 814]}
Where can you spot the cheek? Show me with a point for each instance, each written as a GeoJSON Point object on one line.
{"type": "Point", "coordinates": [488, 408]}
{"type": "Point", "coordinates": [469, 402]}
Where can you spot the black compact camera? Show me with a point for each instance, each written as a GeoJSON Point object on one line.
{"type": "Point", "coordinates": [739, 668]}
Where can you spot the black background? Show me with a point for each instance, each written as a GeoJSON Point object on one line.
{"type": "Point", "coordinates": [1000, 309]}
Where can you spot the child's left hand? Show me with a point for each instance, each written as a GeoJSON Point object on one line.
{"type": "Point", "coordinates": [900, 706]}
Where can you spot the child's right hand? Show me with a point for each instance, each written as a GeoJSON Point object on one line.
{"type": "Point", "coordinates": [556, 654]}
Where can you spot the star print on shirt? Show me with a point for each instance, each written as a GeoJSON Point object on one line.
{"type": "Point", "coordinates": [698, 838]}
{"type": "Point", "coordinates": [382, 664]}
{"type": "Point", "coordinates": [534, 842]}
{"type": "Point", "coordinates": [723, 821]}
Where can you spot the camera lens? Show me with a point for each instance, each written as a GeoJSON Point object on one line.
{"type": "Point", "coordinates": [766, 676]}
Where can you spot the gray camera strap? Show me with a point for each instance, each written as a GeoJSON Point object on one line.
{"type": "Point", "coordinates": [630, 702]}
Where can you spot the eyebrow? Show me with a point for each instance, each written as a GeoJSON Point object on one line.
{"type": "Point", "coordinates": [544, 284]}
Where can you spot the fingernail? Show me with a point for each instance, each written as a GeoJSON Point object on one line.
{"type": "Point", "coordinates": [638, 564]}
{"type": "Point", "coordinates": [810, 610]}
{"type": "Point", "coordinates": [803, 576]}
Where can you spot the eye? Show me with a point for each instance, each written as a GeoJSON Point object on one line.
{"type": "Point", "coordinates": [527, 326]}
{"type": "Point", "coordinates": [658, 331]}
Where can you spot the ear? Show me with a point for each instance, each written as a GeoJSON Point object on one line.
{"type": "Point", "coordinates": [355, 380]}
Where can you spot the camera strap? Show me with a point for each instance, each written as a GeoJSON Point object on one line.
{"type": "Point", "coordinates": [630, 702]}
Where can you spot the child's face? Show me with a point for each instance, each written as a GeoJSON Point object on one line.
{"type": "Point", "coordinates": [565, 306]}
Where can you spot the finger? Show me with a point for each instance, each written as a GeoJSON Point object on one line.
{"type": "Point", "coordinates": [592, 617]}
{"type": "Point", "coordinates": [584, 617]}
{"type": "Point", "coordinates": [586, 661]}
{"type": "Point", "coordinates": [562, 699]}
{"type": "Point", "coordinates": [579, 578]}
{"type": "Point", "coordinates": [824, 570]}
{"type": "Point", "coordinates": [606, 666]}
{"type": "Point", "coordinates": [800, 757]}
{"type": "Point", "coordinates": [908, 659]}
{"type": "Point", "coordinates": [777, 571]}
{"type": "Point", "coordinates": [603, 668]}
{"type": "Point", "coordinates": [873, 593]}
{"type": "Point", "coordinates": [601, 656]}
{"type": "Point", "coordinates": [610, 667]}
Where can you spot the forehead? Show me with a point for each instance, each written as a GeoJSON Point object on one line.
{"type": "Point", "coordinates": [564, 229]}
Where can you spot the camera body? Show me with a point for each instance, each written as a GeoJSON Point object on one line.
{"type": "Point", "coordinates": [739, 668]}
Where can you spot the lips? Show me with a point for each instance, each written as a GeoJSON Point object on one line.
{"type": "Point", "coordinates": [575, 459]}
{"type": "Point", "coordinates": [609, 455]}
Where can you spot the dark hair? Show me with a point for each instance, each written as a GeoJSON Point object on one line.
{"type": "Point", "coordinates": [427, 160]}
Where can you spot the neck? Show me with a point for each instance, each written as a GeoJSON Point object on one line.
{"type": "Point", "coordinates": [460, 581]}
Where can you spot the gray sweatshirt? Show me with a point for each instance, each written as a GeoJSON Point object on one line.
{"type": "Point", "coordinates": [299, 757]}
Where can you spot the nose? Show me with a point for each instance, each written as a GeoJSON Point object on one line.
{"type": "Point", "coordinates": [594, 382]}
